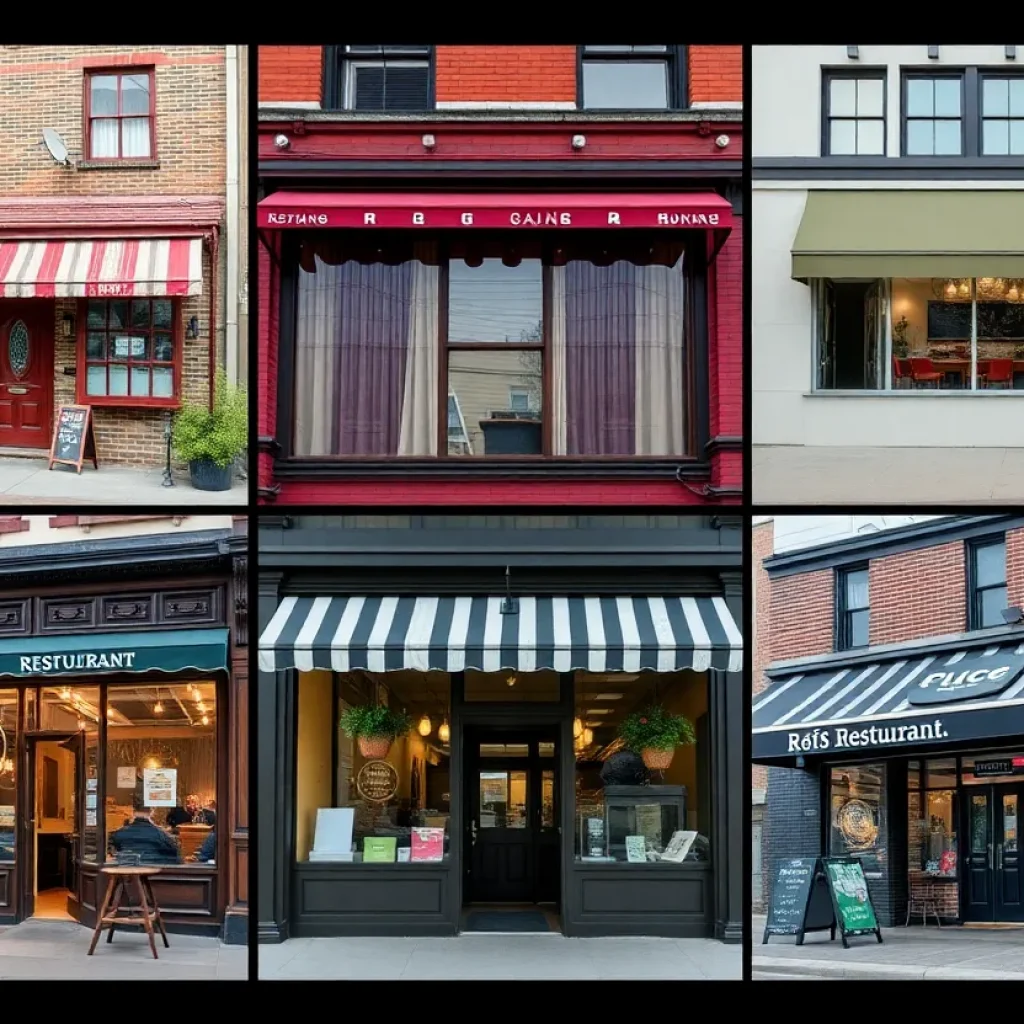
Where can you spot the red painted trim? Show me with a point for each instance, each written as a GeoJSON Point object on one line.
{"type": "Point", "coordinates": [58, 521]}
{"type": "Point", "coordinates": [118, 71]}
{"type": "Point", "coordinates": [112, 216]}
{"type": "Point", "coordinates": [14, 524]}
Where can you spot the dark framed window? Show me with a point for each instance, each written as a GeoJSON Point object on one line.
{"type": "Point", "coordinates": [853, 112]}
{"type": "Point", "coordinates": [120, 114]}
{"type": "Point", "coordinates": [933, 113]}
{"type": "Point", "coordinates": [379, 78]}
{"type": "Point", "coordinates": [988, 594]}
{"type": "Point", "coordinates": [1002, 114]}
{"type": "Point", "coordinates": [632, 78]}
{"type": "Point", "coordinates": [130, 353]}
{"type": "Point", "coordinates": [853, 608]}
{"type": "Point", "coordinates": [488, 345]}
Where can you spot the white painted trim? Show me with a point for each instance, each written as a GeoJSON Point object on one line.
{"type": "Point", "coordinates": [718, 105]}
{"type": "Point", "coordinates": [502, 105]}
{"type": "Point", "coordinates": [231, 193]}
{"type": "Point", "coordinates": [290, 105]}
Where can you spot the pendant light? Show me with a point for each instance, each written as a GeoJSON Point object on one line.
{"type": "Point", "coordinates": [426, 726]}
{"type": "Point", "coordinates": [444, 734]}
{"type": "Point", "coordinates": [588, 737]}
{"type": "Point", "coordinates": [577, 728]}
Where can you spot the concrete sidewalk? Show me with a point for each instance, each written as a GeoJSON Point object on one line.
{"type": "Point", "coordinates": [57, 951]}
{"type": "Point", "coordinates": [916, 954]}
{"type": "Point", "coordinates": [28, 481]}
{"type": "Point", "coordinates": [948, 476]}
{"type": "Point", "coordinates": [502, 957]}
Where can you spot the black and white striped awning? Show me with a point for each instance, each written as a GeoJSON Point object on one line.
{"type": "Point", "coordinates": [451, 634]}
{"type": "Point", "coordinates": [935, 697]}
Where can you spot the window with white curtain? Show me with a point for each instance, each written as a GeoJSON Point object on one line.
{"type": "Point", "coordinates": [120, 115]}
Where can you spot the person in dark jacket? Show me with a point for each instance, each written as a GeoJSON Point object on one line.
{"type": "Point", "coordinates": [140, 836]}
{"type": "Point", "coordinates": [208, 851]}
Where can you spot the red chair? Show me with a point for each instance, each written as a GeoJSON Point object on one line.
{"type": "Point", "coordinates": [1000, 373]}
{"type": "Point", "coordinates": [897, 373]}
{"type": "Point", "coordinates": [983, 365]}
{"type": "Point", "coordinates": [905, 371]}
{"type": "Point", "coordinates": [924, 373]}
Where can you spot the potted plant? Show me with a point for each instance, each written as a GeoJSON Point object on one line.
{"type": "Point", "coordinates": [374, 727]}
{"type": "Point", "coordinates": [900, 345]}
{"type": "Point", "coordinates": [655, 733]}
{"type": "Point", "coordinates": [210, 441]}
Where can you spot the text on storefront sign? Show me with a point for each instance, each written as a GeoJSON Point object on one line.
{"type": "Point", "coordinates": [843, 738]}
{"type": "Point", "coordinates": [40, 664]}
{"type": "Point", "coordinates": [467, 218]}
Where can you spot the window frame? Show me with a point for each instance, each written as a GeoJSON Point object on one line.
{"type": "Point", "coordinates": [120, 71]}
{"type": "Point", "coordinates": [974, 592]}
{"type": "Point", "coordinates": [830, 74]}
{"type": "Point", "coordinates": [984, 74]}
{"type": "Point", "coordinates": [130, 401]}
{"type": "Point", "coordinates": [968, 110]}
{"type": "Point", "coordinates": [335, 73]}
{"type": "Point", "coordinates": [676, 56]}
{"type": "Point", "coordinates": [842, 609]}
{"type": "Point", "coordinates": [699, 440]}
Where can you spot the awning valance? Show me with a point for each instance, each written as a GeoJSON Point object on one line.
{"type": "Point", "coordinates": [892, 703]}
{"type": "Point", "coordinates": [702, 210]}
{"type": "Point", "coordinates": [101, 268]}
{"type": "Point", "coordinates": [451, 634]}
{"type": "Point", "coordinates": [917, 234]}
{"type": "Point", "coordinates": [175, 650]}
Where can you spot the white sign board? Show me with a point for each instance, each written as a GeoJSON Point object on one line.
{"type": "Point", "coordinates": [679, 846]}
{"type": "Point", "coordinates": [125, 778]}
{"type": "Point", "coordinates": [159, 787]}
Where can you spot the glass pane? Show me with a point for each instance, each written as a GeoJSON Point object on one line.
{"type": "Point", "coordinates": [1017, 138]}
{"type": "Point", "coordinates": [118, 379]}
{"type": "Point", "coordinates": [161, 772]}
{"type": "Point", "coordinates": [63, 708]}
{"type": "Point", "coordinates": [517, 816]}
{"type": "Point", "coordinates": [1017, 97]}
{"type": "Point", "coordinates": [493, 302]}
{"type": "Point", "coordinates": [933, 840]}
{"type": "Point", "coordinates": [995, 138]}
{"type": "Point", "coordinates": [480, 383]}
{"type": "Point", "coordinates": [163, 348]}
{"type": "Point", "coordinates": [940, 773]}
{"type": "Point", "coordinates": [8, 772]}
{"type": "Point", "coordinates": [842, 138]}
{"type": "Point", "coordinates": [135, 94]}
{"type": "Point", "coordinates": [18, 348]}
{"type": "Point", "coordinates": [163, 382]}
{"type": "Point", "coordinates": [993, 602]}
{"type": "Point", "coordinates": [979, 823]}
{"type": "Point", "coordinates": [842, 99]}
{"type": "Point", "coordinates": [998, 767]}
{"type": "Point", "coordinates": [947, 97]}
{"type": "Point", "coordinates": [920, 138]}
{"type": "Point", "coordinates": [633, 85]}
{"type": "Point", "coordinates": [494, 799]}
{"type": "Point", "coordinates": [97, 316]}
{"type": "Point", "coordinates": [856, 590]}
{"type": "Point", "coordinates": [103, 95]}
{"type": "Point", "coordinates": [103, 139]}
{"type": "Point", "coordinates": [547, 799]}
{"type": "Point", "coordinates": [859, 628]}
{"type": "Point", "coordinates": [947, 138]}
{"type": "Point", "coordinates": [870, 138]}
{"type": "Point", "coordinates": [119, 314]}
{"type": "Point", "coordinates": [135, 138]}
{"type": "Point", "coordinates": [989, 564]}
{"type": "Point", "coordinates": [870, 97]}
{"type": "Point", "coordinates": [995, 97]}
{"type": "Point", "coordinates": [545, 750]}
{"type": "Point", "coordinates": [162, 313]}
{"type": "Point", "coordinates": [95, 346]}
{"type": "Point", "coordinates": [140, 313]}
{"type": "Point", "coordinates": [504, 749]}
{"type": "Point", "coordinates": [140, 381]}
{"type": "Point", "coordinates": [920, 97]}
{"type": "Point", "coordinates": [913, 774]}
{"type": "Point", "coordinates": [96, 380]}
{"type": "Point", "coordinates": [858, 816]}
{"type": "Point", "coordinates": [483, 687]}
{"type": "Point", "coordinates": [90, 820]}
{"type": "Point", "coordinates": [1010, 834]}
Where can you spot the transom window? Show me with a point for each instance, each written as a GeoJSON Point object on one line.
{"type": "Point", "coordinates": [381, 77]}
{"type": "Point", "coordinates": [933, 115]}
{"type": "Point", "coordinates": [854, 114]}
{"type": "Point", "coordinates": [854, 608]}
{"type": "Point", "coordinates": [129, 353]}
{"type": "Point", "coordinates": [575, 347]}
{"type": "Point", "coordinates": [120, 115]}
{"type": "Point", "coordinates": [988, 583]}
{"type": "Point", "coordinates": [632, 77]}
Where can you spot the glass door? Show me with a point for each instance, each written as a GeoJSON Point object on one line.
{"type": "Point", "coordinates": [1009, 897]}
{"type": "Point", "coordinates": [979, 861]}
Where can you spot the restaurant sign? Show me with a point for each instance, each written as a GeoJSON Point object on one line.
{"type": "Point", "coordinates": [857, 737]}
{"type": "Point", "coordinates": [973, 676]}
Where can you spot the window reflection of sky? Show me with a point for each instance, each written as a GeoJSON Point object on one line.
{"type": "Point", "coordinates": [494, 302]}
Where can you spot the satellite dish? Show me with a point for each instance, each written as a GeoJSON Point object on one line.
{"type": "Point", "coordinates": [55, 144]}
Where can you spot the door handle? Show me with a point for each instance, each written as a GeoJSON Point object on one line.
{"type": "Point", "coordinates": [999, 857]}
{"type": "Point", "coordinates": [990, 856]}
{"type": "Point", "coordinates": [17, 391]}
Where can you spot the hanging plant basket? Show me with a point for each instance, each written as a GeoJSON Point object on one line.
{"type": "Point", "coordinates": [375, 727]}
{"type": "Point", "coordinates": [375, 748]}
{"type": "Point", "coordinates": [657, 760]}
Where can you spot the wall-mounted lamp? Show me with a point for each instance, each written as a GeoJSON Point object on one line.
{"type": "Point", "coordinates": [853, 52]}
{"type": "Point", "coordinates": [192, 330]}
{"type": "Point", "coordinates": [722, 141]}
{"type": "Point", "coordinates": [933, 53]}
{"type": "Point", "coordinates": [67, 325]}
{"type": "Point", "coordinates": [579, 141]}
{"type": "Point", "coordinates": [1010, 52]}
{"type": "Point", "coordinates": [429, 142]}
{"type": "Point", "coordinates": [282, 141]}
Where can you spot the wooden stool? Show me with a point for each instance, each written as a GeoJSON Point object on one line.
{"type": "Point", "coordinates": [121, 880]}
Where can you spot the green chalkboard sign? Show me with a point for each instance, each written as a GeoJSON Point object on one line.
{"type": "Point", "coordinates": [851, 899]}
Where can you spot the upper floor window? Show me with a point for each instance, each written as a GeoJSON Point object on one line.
{"type": "Point", "coordinates": [933, 114]}
{"type": "Point", "coordinates": [120, 109]}
{"type": "Point", "coordinates": [988, 583]}
{"type": "Point", "coordinates": [1002, 115]}
{"type": "Point", "coordinates": [632, 77]}
{"type": "Point", "coordinates": [854, 112]}
{"type": "Point", "coordinates": [853, 608]}
{"type": "Point", "coordinates": [380, 78]}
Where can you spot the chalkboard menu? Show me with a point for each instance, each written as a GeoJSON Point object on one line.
{"type": "Point", "coordinates": [800, 900]}
{"type": "Point", "coordinates": [850, 898]}
{"type": "Point", "coordinates": [73, 437]}
{"type": "Point", "coordinates": [951, 321]}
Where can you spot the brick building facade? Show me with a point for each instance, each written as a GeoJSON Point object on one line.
{"type": "Point", "coordinates": [549, 141]}
{"type": "Point", "coordinates": [114, 251]}
{"type": "Point", "coordinates": [887, 679]}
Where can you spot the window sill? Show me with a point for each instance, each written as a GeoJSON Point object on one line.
{"type": "Point", "coordinates": [100, 402]}
{"type": "Point", "coordinates": [917, 394]}
{"type": "Point", "coordinates": [117, 165]}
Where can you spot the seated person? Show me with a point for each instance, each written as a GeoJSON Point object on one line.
{"type": "Point", "coordinates": [178, 816]}
{"type": "Point", "coordinates": [191, 814]}
{"type": "Point", "coordinates": [142, 837]}
{"type": "Point", "coordinates": [6, 844]}
{"type": "Point", "coordinates": [209, 813]}
{"type": "Point", "coordinates": [208, 851]}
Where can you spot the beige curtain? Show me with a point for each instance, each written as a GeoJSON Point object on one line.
{"type": "Point", "coordinates": [556, 340]}
{"type": "Point", "coordinates": [419, 404]}
{"type": "Point", "coordinates": [315, 359]}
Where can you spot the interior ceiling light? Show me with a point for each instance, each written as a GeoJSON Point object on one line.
{"type": "Point", "coordinates": [158, 708]}
{"type": "Point", "coordinates": [588, 737]}
{"type": "Point", "coordinates": [577, 727]}
{"type": "Point", "coordinates": [444, 733]}
{"type": "Point", "coordinates": [426, 726]}
{"type": "Point", "coordinates": [608, 696]}
{"type": "Point", "coordinates": [599, 711]}
{"type": "Point", "coordinates": [206, 719]}
{"type": "Point", "coordinates": [65, 693]}
{"type": "Point", "coordinates": [511, 680]}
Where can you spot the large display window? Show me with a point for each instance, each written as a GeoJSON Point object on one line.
{"type": "Point", "coordinates": [858, 815]}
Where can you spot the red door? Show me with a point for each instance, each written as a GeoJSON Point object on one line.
{"type": "Point", "coordinates": [26, 372]}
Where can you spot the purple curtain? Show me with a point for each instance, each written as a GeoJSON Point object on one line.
{"type": "Point", "coordinates": [372, 342]}
{"type": "Point", "coordinates": [600, 358]}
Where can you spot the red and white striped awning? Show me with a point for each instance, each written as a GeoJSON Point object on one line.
{"type": "Point", "coordinates": [101, 268]}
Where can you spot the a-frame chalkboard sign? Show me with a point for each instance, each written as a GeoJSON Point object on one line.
{"type": "Point", "coordinates": [800, 900]}
{"type": "Point", "coordinates": [74, 440]}
{"type": "Point", "coordinates": [851, 901]}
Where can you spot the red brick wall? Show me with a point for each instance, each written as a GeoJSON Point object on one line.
{"type": "Point", "coordinates": [716, 73]}
{"type": "Point", "coordinates": [510, 74]}
{"type": "Point", "coordinates": [1015, 568]}
{"type": "Point", "coordinates": [802, 621]}
{"type": "Point", "coordinates": [290, 73]}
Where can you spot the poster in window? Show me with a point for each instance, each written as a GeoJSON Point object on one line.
{"type": "Point", "coordinates": [90, 818]}
{"type": "Point", "coordinates": [679, 846]}
{"type": "Point", "coordinates": [159, 787]}
{"type": "Point", "coordinates": [636, 849]}
{"type": "Point", "coordinates": [428, 844]}
{"type": "Point", "coordinates": [126, 778]}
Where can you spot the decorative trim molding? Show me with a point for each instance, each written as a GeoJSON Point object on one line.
{"type": "Point", "coordinates": [717, 105]}
{"type": "Point", "coordinates": [504, 105]}
{"type": "Point", "coordinates": [240, 572]}
{"type": "Point", "coordinates": [289, 105]}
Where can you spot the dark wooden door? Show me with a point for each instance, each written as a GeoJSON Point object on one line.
{"type": "Point", "coordinates": [28, 814]}
{"type": "Point", "coordinates": [979, 855]}
{"type": "Point", "coordinates": [1008, 882]}
{"type": "Point", "coordinates": [26, 372]}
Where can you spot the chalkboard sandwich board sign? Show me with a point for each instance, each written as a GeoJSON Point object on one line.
{"type": "Point", "coordinates": [73, 438]}
{"type": "Point", "coordinates": [800, 900]}
{"type": "Point", "coordinates": [850, 898]}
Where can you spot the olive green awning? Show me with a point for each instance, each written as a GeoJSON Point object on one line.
{"type": "Point", "coordinates": [892, 233]}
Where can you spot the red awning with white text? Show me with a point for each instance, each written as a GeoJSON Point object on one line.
{"type": "Point", "coordinates": [679, 210]}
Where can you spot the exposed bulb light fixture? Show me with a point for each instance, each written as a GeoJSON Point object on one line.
{"type": "Point", "coordinates": [426, 726]}
{"type": "Point", "coordinates": [511, 680]}
{"type": "Point", "coordinates": [158, 708]}
{"type": "Point", "coordinates": [588, 737]}
{"type": "Point", "coordinates": [65, 693]}
{"type": "Point", "coordinates": [444, 733]}
{"type": "Point", "coordinates": [577, 728]}
{"type": "Point", "coordinates": [205, 719]}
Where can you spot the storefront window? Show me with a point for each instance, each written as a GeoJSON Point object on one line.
{"type": "Point", "coordinates": [367, 799]}
{"type": "Point", "coordinates": [640, 806]}
{"type": "Point", "coordinates": [858, 818]}
{"type": "Point", "coordinates": [913, 334]}
{"type": "Point", "coordinates": [8, 775]}
{"type": "Point", "coordinates": [63, 708]}
{"type": "Point", "coordinates": [932, 820]}
{"type": "Point", "coordinates": [160, 773]}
